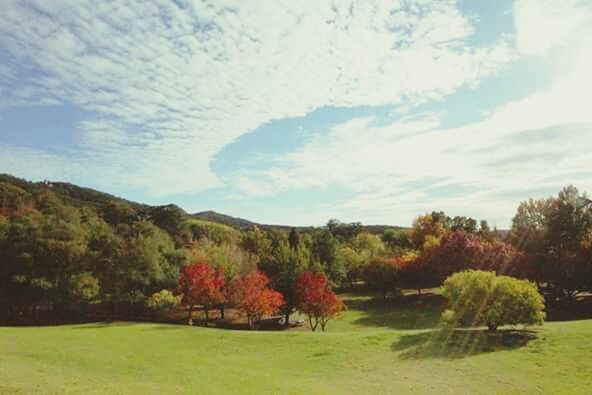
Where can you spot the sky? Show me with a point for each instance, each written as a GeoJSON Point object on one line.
{"type": "Point", "coordinates": [296, 112]}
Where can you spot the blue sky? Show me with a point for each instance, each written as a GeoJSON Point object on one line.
{"type": "Point", "coordinates": [297, 112]}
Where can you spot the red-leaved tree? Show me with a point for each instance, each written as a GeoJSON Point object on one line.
{"type": "Point", "coordinates": [458, 251]}
{"type": "Point", "coordinates": [316, 299]}
{"type": "Point", "coordinates": [201, 284]}
{"type": "Point", "coordinates": [254, 298]}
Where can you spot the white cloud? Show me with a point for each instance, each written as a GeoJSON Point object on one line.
{"type": "Point", "coordinates": [539, 143]}
{"type": "Point", "coordinates": [542, 24]}
{"type": "Point", "coordinates": [170, 85]}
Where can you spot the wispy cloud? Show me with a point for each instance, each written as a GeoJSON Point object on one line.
{"type": "Point", "coordinates": [538, 143]}
{"type": "Point", "coordinates": [543, 24]}
{"type": "Point", "coordinates": [171, 83]}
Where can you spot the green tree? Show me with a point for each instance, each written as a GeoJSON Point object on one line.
{"type": "Point", "coordinates": [283, 266]}
{"type": "Point", "coordinates": [482, 298]}
{"type": "Point", "coordinates": [324, 251]}
{"type": "Point", "coordinates": [353, 262]}
{"type": "Point", "coordinates": [397, 240]}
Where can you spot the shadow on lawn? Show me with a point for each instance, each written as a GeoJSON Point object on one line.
{"type": "Point", "coordinates": [459, 343]}
{"type": "Point", "coordinates": [403, 312]}
{"type": "Point", "coordinates": [579, 309]}
{"type": "Point", "coordinates": [105, 324]}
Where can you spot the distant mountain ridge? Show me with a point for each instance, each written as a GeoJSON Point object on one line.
{"type": "Point", "coordinates": [82, 196]}
{"type": "Point", "coordinates": [242, 224]}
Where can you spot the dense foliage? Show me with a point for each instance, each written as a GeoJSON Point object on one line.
{"type": "Point", "coordinates": [481, 298]}
{"type": "Point", "coordinates": [67, 252]}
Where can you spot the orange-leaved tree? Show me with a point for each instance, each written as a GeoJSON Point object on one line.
{"type": "Point", "coordinates": [201, 284]}
{"type": "Point", "coordinates": [316, 299]}
{"type": "Point", "coordinates": [254, 298]}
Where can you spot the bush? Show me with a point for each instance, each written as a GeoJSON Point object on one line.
{"type": "Point", "coordinates": [163, 300]}
{"type": "Point", "coordinates": [482, 298]}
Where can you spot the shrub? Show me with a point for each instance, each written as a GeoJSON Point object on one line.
{"type": "Point", "coordinates": [163, 300]}
{"type": "Point", "coordinates": [482, 298]}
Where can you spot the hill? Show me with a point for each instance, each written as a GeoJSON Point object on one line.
{"type": "Point", "coordinates": [104, 202]}
{"type": "Point", "coordinates": [235, 222]}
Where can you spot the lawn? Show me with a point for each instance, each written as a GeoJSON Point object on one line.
{"type": "Point", "coordinates": [372, 348]}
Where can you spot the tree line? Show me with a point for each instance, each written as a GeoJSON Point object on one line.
{"type": "Point", "coordinates": [65, 250]}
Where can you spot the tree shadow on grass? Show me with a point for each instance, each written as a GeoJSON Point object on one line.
{"type": "Point", "coordinates": [105, 324]}
{"type": "Point", "coordinates": [403, 312]}
{"type": "Point", "coordinates": [579, 309]}
{"type": "Point", "coordinates": [459, 343]}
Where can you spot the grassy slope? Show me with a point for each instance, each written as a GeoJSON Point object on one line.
{"type": "Point", "coordinates": [368, 350]}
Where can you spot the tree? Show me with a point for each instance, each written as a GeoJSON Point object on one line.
{"type": "Point", "coordinates": [316, 299]}
{"type": "Point", "coordinates": [169, 218]}
{"type": "Point", "coordinates": [416, 273]}
{"type": "Point", "coordinates": [215, 232]}
{"type": "Point", "coordinates": [433, 225]}
{"type": "Point", "coordinates": [343, 231]}
{"type": "Point", "coordinates": [353, 262]}
{"type": "Point", "coordinates": [200, 284]}
{"type": "Point", "coordinates": [382, 275]}
{"type": "Point", "coordinates": [283, 266]}
{"type": "Point", "coordinates": [482, 298]}
{"type": "Point", "coordinates": [254, 298]}
{"type": "Point", "coordinates": [294, 239]}
{"type": "Point", "coordinates": [324, 251]}
{"type": "Point", "coordinates": [368, 244]}
{"type": "Point", "coordinates": [230, 258]}
{"type": "Point", "coordinates": [256, 242]}
{"type": "Point", "coordinates": [468, 225]}
{"type": "Point", "coordinates": [555, 236]}
{"type": "Point", "coordinates": [396, 240]}
{"type": "Point", "coordinates": [459, 251]}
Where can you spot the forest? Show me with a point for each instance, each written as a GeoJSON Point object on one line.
{"type": "Point", "coordinates": [68, 253]}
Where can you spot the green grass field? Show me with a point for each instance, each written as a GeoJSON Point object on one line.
{"type": "Point", "coordinates": [370, 349]}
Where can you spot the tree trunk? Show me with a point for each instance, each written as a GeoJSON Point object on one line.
{"type": "Point", "coordinates": [190, 315]}
{"type": "Point", "coordinates": [222, 311]}
{"type": "Point", "coordinates": [287, 322]}
{"type": "Point", "coordinates": [207, 315]}
{"type": "Point", "coordinates": [491, 327]}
